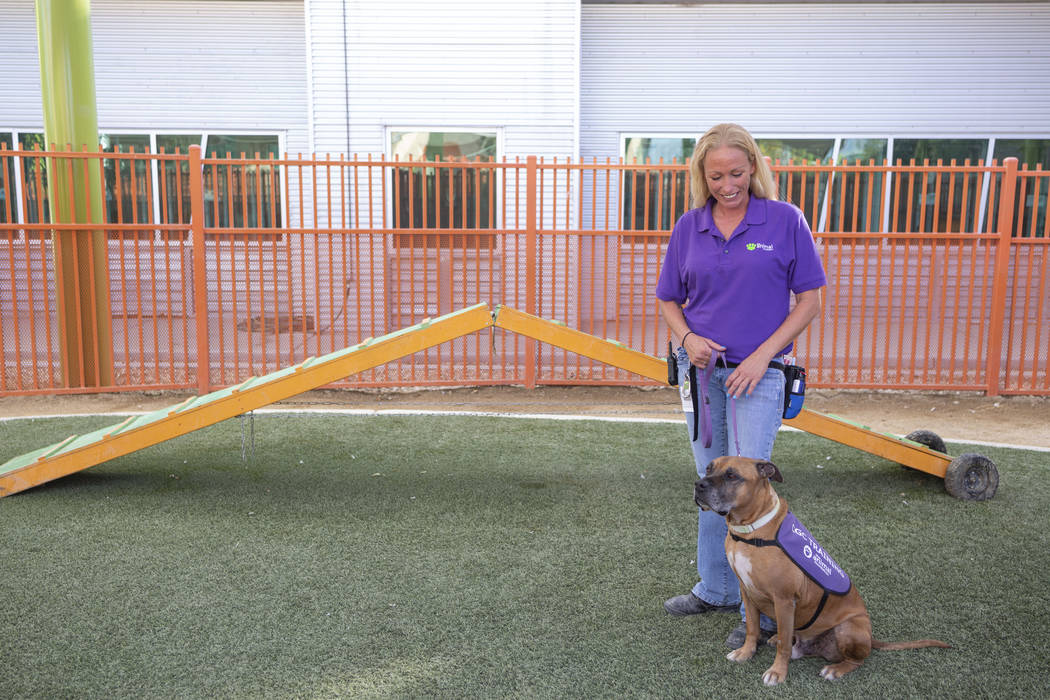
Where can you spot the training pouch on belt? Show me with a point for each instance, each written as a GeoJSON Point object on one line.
{"type": "Point", "coordinates": [794, 390]}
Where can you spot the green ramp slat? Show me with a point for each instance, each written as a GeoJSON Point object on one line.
{"type": "Point", "coordinates": [891, 436]}
{"type": "Point", "coordinates": [81, 440]}
{"type": "Point", "coordinates": [140, 420]}
{"type": "Point", "coordinates": [854, 423]}
{"type": "Point", "coordinates": [194, 402]}
{"type": "Point", "coordinates": [210, 398]}
{"type": "Point", "coordinates": [112, 430]}
{"type": "Point", "coordinates": [30, 458]}
{"type": "Point", "coordinates": [274, 376]}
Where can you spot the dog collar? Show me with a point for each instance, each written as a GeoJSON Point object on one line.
{"type": "Point", "coordinates": [764, 520]}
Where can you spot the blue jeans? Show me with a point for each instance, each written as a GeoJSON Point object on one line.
{"type": "Point", "coordinates": [758, 417]}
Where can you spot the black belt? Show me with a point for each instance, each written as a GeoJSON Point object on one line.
{"type": "Point", "coordinates": [721, 362]}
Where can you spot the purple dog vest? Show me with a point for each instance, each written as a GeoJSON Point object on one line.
{"type": "Point", "coordinates": [796, 542]}
{"type": "Point", "coordinates": [808, 555]}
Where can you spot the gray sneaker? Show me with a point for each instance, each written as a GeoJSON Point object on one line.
{"type": "Point", "coordinates": [737, 636]}
{"type": "Point", "coordinates": [689, 604]}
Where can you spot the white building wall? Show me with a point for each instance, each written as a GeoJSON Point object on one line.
{"type": "Point", "coordinates": [174, 65]}
{"type": "Point", "coordinates": [829, 69]}
{"type": "Point", "coordinates": [481, 64]}
{"type": "Point", "coordinates": [506, 67]}
{"type": "Point", "coordinates": [20, 87]}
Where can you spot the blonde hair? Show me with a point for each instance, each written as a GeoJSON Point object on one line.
{"type": "Point", "coordinates": [762, 183]}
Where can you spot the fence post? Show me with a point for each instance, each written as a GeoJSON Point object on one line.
{"type": "Point", "coordinates": [997, 341]}
{"type": "Point", "coordinates": [200, 269]}
{"type": "Point", "coordinates": [530, 265]}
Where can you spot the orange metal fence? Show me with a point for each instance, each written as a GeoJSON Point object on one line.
{"type": "Point", "coordinates": [220, 268]}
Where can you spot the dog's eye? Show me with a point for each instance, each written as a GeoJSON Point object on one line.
{"type": "Point", "coordinates": [730, 474]}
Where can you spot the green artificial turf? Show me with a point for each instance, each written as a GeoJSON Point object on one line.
{"type": "Point", "coordinates": [483, 557]}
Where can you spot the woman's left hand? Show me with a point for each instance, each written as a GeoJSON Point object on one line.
{"type": "Point", "coordinates": [747, 375]}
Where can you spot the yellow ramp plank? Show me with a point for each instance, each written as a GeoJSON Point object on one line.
{"type": "Point", "coordinates": [81, 452]}
{"type": "Point", "coordinates": [905, 452]}
{"type": "Point", "coordinates": [610, 352]}
{"type": "Point", "coordinates": [557, 334]}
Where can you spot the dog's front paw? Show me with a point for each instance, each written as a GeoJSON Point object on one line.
{"type": "Point", "coordinates": [774, 675]}
{"type": "Point", "coordinates": [742, 654]}
{"type": "Point", "coordinates": [833, 671]}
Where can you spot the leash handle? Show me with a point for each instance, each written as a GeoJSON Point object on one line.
{"type": "Point", "coordinates": [720, 355]}
{"type": "Point", "coordinates": [699, 396]}
{"type": "Point", "coordinates": [695, 392]}
{"type": "Point", "coordinates": [732, 419]}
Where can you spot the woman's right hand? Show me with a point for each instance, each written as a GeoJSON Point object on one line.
{"type": "Point", "coordinates": [700, 349]}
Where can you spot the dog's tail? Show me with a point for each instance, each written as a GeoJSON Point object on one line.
{"type": "Point", "coordinates": [917, 644]}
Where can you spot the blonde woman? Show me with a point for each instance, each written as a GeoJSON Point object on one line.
{"type": "Point", "coordinates": [732, 265]}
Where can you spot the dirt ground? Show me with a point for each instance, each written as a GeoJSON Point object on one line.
{"type": "Point", "coordinates": [1014, 420]}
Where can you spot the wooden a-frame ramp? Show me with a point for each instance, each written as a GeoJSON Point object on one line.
{"type": "Point", "coordinates": [79, 452]}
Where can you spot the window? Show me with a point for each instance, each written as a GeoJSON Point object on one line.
{"type": "Point", "coordinates": [862, 151]}
{"type": "Point", "coordinates": [862, 199]}
{"type": "Point", "coordinates": [939, 201]}
{"type": "Point", "coordinates": [807, 189]}
{"type": "Point", "coordinates": [145, 190]}
{"type": "Point", "coordinates": [444, 195]}
{"type": "Point", "coordinates": [653, 199]}
{"type": "Point", "coordinates": [8, 204]}
{"type": "Point", "coordinates": [946, 150]}
{"type": "Point", "coordinates": [128, 180]}
{"type": "Point", "coordinates": [23, 180]}
{"type": "Point", "coordinates": [242, 194]}
{"type": "Point", "coordinates": [1035, 154]}
{"type": "Point", "coordinates": [173, 181]}
{"type": "Point", "coordinates": [857, 198]}
{"type": "Point", "coordinates": [797, 150]}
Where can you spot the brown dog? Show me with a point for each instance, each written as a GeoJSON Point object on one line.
{"type": "Point", "coordinates": [834, 625]}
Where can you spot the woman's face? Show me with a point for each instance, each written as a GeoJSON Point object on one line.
{"type": "Point", "coordinates": [728, 173]}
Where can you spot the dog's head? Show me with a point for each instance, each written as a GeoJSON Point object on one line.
{"type": "Point", "coordinates": [733, 482]}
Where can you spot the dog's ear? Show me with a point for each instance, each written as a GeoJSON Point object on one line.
{"type": "Point", "coordinates": [770, 471]}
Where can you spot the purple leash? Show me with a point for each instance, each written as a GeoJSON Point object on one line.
{"type": "Point", "coordinates": [702, 414]}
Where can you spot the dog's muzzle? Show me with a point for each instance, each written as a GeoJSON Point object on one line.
{"type": "Point", "coordinates": [705, 495]}
{"type": "Point", "coordinates": [700, 494]}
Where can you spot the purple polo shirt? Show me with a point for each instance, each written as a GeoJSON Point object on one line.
{"type": "Point", "coordinates": [736, 292]}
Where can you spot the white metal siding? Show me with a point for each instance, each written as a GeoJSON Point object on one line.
{"type": "Point", "coordinates": [459, 64]}
{"type": "Point", "coordinates": [837, 69]}
{"type": "Point", "coordinates": [182, 65]}
{"type": "Point", "coordinates": [20, 64]}
{"type": "Point", "coordinates": [506, 67]}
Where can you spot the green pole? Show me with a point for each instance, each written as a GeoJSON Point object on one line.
{"type": "Point", "coordinates": [67, 80]}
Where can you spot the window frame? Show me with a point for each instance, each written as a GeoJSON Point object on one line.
{"type": "Point", "coordinates": [19, 183]}
{"type": "Point", "coordinates": [820, 227]}
{"type": "Point", "coordinates": [155, 204]}
{"type": "Point", "coordinates": [632, 235]}
{"type": "Point", "coordinates": [392, 173]}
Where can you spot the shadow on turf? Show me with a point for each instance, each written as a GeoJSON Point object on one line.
{"type": "Point", "coordinates": [86, 481]}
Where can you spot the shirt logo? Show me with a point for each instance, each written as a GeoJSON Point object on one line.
{"type": "Point", "coordinates": [760, 246]}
